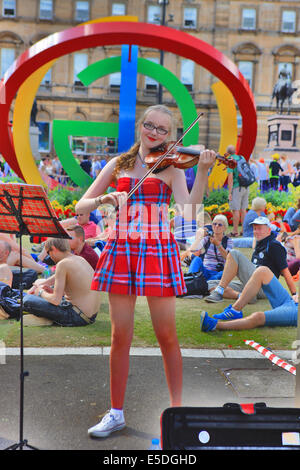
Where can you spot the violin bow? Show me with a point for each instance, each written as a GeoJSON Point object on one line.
{"type": "Point", "coordinates": [162, 157]}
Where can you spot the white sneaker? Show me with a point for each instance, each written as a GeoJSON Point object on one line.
{"type": "Point", "coordinates": [107, 425]}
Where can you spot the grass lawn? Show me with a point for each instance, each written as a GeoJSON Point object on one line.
{"type": "Point", "coordinates": [187, 316]}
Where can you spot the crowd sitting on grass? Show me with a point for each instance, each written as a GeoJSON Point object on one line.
{"type": "Point", "coordinates": [229, 274]}
{"type": "Point", "coordinates": [258, 279]}
{"type": "Point", "coordinates": [276, 252]}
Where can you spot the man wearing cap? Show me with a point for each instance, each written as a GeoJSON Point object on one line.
{"type": "Point", "coordinates": [268, 252]}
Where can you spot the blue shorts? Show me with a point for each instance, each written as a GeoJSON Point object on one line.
{"type": "Point", "coordinates": [284, 310]}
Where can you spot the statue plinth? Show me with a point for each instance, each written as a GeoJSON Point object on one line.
{"type": "Point", "coordinates": [282, 136]}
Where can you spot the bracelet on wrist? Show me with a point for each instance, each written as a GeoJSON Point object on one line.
{"type": "Point", "coordinates": [98, 201]}
{"type": "Point", "coordinates": [40, 292]}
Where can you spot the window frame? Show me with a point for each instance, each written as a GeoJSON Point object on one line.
{"type": "Point", "coordinates": [251, 83]}
{"type": "Point", "coordinates": [41, 149]}
{"type": "Point", "coordinates": [151, 85]}
{"type": "Point", "coordinates": [288, 10]}
{"type": "Point", "coordinates": [2, 72]}
{"type": "Point", "coordinates": [194, 26]}
{"type": "Point", "coordinates": [76, 18]}
{"type": "Point", "coordinates": [243, 17]}
{"type": "Point", "coordinates": [76, 83]}
{"type": "Point", "coordinates": [50, 18]}
{"type": "Point", "coordinates": [118, 3]}
{"type": "Point", "coordinates": [158, 8]}
{"type": "Point", "coordinates": [15, 9]}
{"type": "Point", "coordinates": [189, 86]}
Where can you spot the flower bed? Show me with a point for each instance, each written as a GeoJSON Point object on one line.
{"type": "Point", "coordinates": [277, 201]}
{"type": "Point", "coordinates": [64, 212]}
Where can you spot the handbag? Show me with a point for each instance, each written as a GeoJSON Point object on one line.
{"type": "Point", "coordinates": [196, 284]}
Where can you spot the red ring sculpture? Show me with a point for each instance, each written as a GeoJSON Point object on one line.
{"type": "Point", "coordinates": [118, 33]}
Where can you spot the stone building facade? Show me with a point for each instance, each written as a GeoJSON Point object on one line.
{"type": "Point", "coordinates": [261, 37]}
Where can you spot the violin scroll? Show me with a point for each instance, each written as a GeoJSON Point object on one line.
{"type": "Point", "coordinates": [227, 160]}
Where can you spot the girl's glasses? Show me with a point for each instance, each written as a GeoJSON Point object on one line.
{"type": "Point", "coordinates": [217, 224]}
{"type": "Point", "coordinates": [150, 127]}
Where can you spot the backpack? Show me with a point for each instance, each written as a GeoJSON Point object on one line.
{"type": "Point", "coordinates": [196, 284]}
{"type": "Point", "coordinates": [10, 301]}
{"type": "Point", "coordinates": [245, 175]}
{"type": "Point", "coordinates": [28, 278]}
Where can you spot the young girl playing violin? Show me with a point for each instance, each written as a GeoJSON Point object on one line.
{"type": "Point", "coordinates": [141, 257]}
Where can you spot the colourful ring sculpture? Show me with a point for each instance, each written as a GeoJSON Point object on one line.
{"type": "Point", "coordinates": [63, 129]}
{"type": "Point", "coordinates": [142, 34]}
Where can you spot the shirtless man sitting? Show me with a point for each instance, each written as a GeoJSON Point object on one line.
{"type": "Point", "coordinates": [66, 297]}
{"type": "Point", "coordinates": [6, 274]}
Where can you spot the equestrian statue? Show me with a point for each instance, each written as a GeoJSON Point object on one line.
{"type": "Point", "coordinates": [283, 90]}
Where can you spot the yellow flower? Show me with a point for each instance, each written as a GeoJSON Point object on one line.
{"type": "Point", "coordinates": [224, 207]}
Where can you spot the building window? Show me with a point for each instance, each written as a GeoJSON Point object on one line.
{"type": "Point", "coordinates": [246, 69]}
{"type": "Point", "coordinates": [151, 85]}
{"type": "Point", "coordinates": [46, 9]}
{"type": "Point", "coordinates": [187, 73]}
{"type": "Point", "coordinates": [115, 81]}
{"type": "Point", "coordinates": [80, 63]}
{"type": "Point", "coordinates": [154, 14]}
{"type": "Point", "coordinates": [78, 145]}
{"type": "Point", "coordinates": [249, 18]}
{"type": "Point", "coordinates": [190, 18]}
{"type": "Point", "coordinates": [44, 136]}
{"type": "Point", "coordinates": [118, 9]}
{"type": "Point", "coordinates": [82, 11]}
{"type": "Point", "coordinates": [288, 21]}
{"type": "Point", "coordinates": [9, 8]}
{"type": "Point", "coordinates": [7, 58]}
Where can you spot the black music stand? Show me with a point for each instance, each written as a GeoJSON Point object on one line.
{"type": "Point", "coordinates": [26, 210]}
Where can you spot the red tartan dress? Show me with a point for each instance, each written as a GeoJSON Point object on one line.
{"type": "Point", "coordinates": [141, 256]}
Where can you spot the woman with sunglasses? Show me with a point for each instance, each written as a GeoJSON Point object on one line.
{"type": "Point", "coordinates": [211, 252]}
{"type": "Point", "coordinates": [141, 257]}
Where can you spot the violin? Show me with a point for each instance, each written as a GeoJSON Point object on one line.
{"type": "Point", "coordinates": [181, 157]}
{"type": "Point", "coordinates": [159, 160]}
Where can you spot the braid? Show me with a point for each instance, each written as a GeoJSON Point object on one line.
{"type": "Point", "coordinates": [126, 161]}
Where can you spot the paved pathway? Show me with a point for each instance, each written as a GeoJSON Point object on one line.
{"type": "Point", "coordinates": [67, 389]}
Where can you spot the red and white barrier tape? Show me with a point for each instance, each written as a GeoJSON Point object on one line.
{"type": "Point", "coordinates": [271, 356]}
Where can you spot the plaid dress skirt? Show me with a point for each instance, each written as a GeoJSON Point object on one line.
{"type": "Point", "coordinates": [141, 256]}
